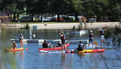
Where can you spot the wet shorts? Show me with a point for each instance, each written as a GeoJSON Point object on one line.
{"type": "Point", "coordinates": [90, 40]}
{"type": "Point", "coordinates": [102, 37]}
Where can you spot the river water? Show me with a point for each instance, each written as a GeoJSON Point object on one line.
{"type": "Point", "coordinates": [33, 59]}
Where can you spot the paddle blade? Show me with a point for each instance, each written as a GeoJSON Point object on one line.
{"type": "Point", "coordinates": [95, 43]}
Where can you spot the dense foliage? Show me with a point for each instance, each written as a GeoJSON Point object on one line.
{"type": "Point", "coordinates": [88, 8]}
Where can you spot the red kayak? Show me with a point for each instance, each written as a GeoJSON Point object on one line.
{"type": "Point", "coordinates": [17, 49]}
{"type": "Point", "coordinates": [87, 51]}
{"type": "Point", "coordinates": [55, 48]}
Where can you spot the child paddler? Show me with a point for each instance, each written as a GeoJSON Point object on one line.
{"type": "Point", "coordinates": [21, 43]}
{"type": "Point", "coordinates": [80, 46]}
{"type": "Point", "coordinates": [21, 40]}
{"type": "Point", "coordinates": [14, 45]}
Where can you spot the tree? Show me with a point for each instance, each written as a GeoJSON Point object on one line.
{"type": "Point", "coordinates": [13, 7]}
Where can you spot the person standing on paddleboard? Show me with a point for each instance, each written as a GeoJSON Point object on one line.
{"type": "Point", "coordinates": [102, 36]}
{"type": "Point", "coordinates": [62, 38]}
{"type": "Point", "coordinates": [90, 38]}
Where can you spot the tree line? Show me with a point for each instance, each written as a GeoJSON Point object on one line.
{"type": "Point", "coordinates": [88, 8]}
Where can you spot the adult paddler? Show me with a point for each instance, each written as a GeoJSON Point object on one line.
{"type": "Point", "coordinates": [62, 36]}
{"type": "Point", "coordinates": [90, 38]}
{"type": "Point", "coordinates": [102, 36]}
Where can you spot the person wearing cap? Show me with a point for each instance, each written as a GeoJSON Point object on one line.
{"type": "Point", "coordinates": [80, 46]}
{"type": "Point", "coordinates": [62, 38]}
{"type": "Point", "coordinates": [102, 36]}
{"type": "Point", "coordinates": [45, 44]}
{"type": "Point", "coordinates": [14, 45]}
{"type": "Point", "coordinates": [90, 38]}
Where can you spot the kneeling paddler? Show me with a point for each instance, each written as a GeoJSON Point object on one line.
{"type": "Point", "coordinates": [80, 46]}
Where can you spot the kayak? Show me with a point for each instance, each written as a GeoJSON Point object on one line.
{"type": "Point", "coordinates": [55, 48]}
{"type": "Point", "coordinates": [87, 51]}
{"type": "Point", "coordinates": [17, 49]}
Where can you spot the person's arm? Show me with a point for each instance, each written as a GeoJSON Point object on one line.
{"type": "Point", "coordinates": [83, 46]}
{"type": "Point", "coordinates": [21, 43]}
{"type": "Point", "coordinates": [16, 45]}
{"type": "Point", "coordinates": [49, 44]}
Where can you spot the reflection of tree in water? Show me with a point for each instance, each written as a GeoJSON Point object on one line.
{"type": "Point", "coordinates": [117, 31]}
{"type": "Point", "coordinates": [107, 34]}
{"type": "Point", "coordinates": [6, 58]}
{"type": "Point", "coordinates": [115, 36]}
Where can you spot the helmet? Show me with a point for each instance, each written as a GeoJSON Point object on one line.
{"type": "Point", "coordinates": [13, 41]}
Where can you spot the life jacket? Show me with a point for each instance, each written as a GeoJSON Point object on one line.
{"type": "Point", "coordinates": [101, 32]}
{"type": "Point", "coordinates": [91, 35]}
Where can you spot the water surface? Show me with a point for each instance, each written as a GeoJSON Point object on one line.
{"type": "Point", "coordinates": [33, 59]}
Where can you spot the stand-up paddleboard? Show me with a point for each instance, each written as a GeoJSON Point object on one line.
{"type": "Point", "coordinates": [72, 51]}
{"type": "Point", "coordinates": [100, 47]}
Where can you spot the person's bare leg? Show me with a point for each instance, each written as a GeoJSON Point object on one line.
{"type": "Point", "coordinates": [104, 42]}
{"type": "Point", "coordinates": [92, 44]}
{"type": "Point", "coordinates": [88, 44]}
{"type": "Point", "coordinates": [101, 43]}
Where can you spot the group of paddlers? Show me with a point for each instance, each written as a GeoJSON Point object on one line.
{"type": "Point", "coordinates": [48, 44]}
{"type": "Point", "coordinates": [14, 45]}
{"type": "Point", "coordinates": [81, 46]}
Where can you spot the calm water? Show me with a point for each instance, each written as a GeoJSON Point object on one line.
{"type": "Point", "coordinates": [33, 59]}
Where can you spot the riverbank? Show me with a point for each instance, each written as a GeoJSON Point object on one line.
{"type": "Point", "coordinates": [55, 25]}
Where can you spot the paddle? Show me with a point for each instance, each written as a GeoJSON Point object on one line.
{"type": "Point", "coordinates": [24, 48]}
{"type": "Point", "coordinates": [95, 43]}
